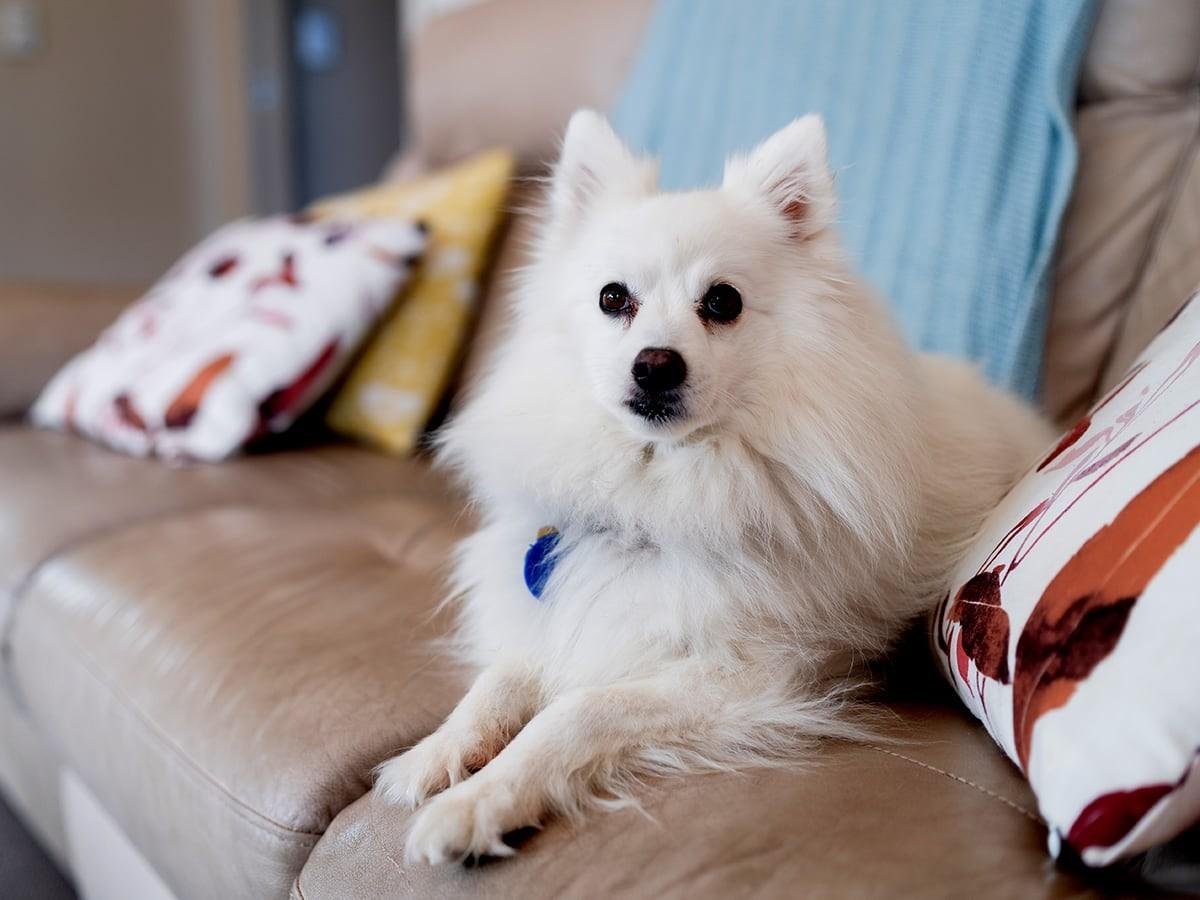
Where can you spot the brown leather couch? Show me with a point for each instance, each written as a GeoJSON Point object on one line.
{"type": "Point", "coordinates": [217, 655]}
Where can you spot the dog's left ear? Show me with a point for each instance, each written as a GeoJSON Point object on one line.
{"type": "Point", "coordinates": [595, 163]}
{"type": "Point", "coordinates": [791, 170]}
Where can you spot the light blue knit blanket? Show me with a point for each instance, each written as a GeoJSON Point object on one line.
{"type": "Point", "coordinates": [949, 128]}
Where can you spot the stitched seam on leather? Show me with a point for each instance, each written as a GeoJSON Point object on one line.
{"type": "Point", "coordinates": [296, 887]}
{"type": "Point", "coordinates": [240, 807]}
{"type": "Point", "coordinates": [1172, 196]}
{"type": "Point", "coordinates": [1005, 800]}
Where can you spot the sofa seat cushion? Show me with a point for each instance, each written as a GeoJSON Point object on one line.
{"type": "Point", "coordinates": [57, 490]}
{"type": "Point", "coordinates": [939, 814]}
{"type": "Point", "coordinates": [224, 680]}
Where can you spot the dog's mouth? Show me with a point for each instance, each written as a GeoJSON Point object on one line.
{"type": "Point", "coordinates": [659, 409]}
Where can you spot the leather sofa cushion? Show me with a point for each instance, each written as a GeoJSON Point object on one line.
{"type": "Point", "coordinates": [56, 490]}
{"type": "Point", "coordinates": [938, 814]}
{"type": "Point", "coordinates": [1139, 48]}
{"type": "Point", "coordinates": [510, 74]}
{"type": "Point", "coordinates": [224, 680]}
{"type": "Point", "coordinates": [1128, 245]}
{"type": "Point", "coordinates": [1171, 269]}
{"type": "Point", "coordinates": [1127, 254]}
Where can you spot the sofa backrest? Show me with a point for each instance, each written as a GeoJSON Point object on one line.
{"type": "Point", "coordinates": [511, 71]}
{"type": "Point", "coordinates": [1129, 252]}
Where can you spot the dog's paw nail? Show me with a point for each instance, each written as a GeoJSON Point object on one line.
{"type": "Point", "coordinates": [459, 824]}
{"type": "Point", "coordinates": [500, 849]}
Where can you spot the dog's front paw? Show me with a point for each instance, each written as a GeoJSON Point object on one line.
{"type": "Point", "coordinates": [470, 820]}
{"type": "Point", "coordinates": [413, 777]}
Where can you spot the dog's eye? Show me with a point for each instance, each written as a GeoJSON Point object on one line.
{"type": "Point", "coordinates": [721, 303]}
{"type": "Point", "coordinates": [614, 299]}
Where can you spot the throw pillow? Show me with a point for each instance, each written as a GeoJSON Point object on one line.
{"type": "Point", "coordinates": [1073, 631]}
{"type": "Point", "coordinates": [394, 388]}
{"type": "Point", "coordinates": [237, 339]}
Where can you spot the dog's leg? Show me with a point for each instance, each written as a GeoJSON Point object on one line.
{"type": "Point", "coordinates": [499, 703]}
{"type": "Point", "coordinates": [568, 749]}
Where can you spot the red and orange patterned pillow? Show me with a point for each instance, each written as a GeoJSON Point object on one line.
{"type": "Point", "coordinates": [237, 339]}
{"type": "Point", "coordinates": [1074, 632]}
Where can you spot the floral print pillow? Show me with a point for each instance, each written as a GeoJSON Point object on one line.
{"type": "Point", "coordinates": [1074, 629]}
{"type": "Point", "coordinates": [237, 339]}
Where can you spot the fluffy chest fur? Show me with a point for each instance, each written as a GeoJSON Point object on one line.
{"type": "Point", "coordinates": [706, 546]}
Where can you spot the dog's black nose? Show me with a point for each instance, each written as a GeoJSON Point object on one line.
{"type": "Point", "coordinates": [659, 369]}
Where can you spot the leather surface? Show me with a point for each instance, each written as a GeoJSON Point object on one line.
{"type": "Point", "coordinates": [939, 814]}
{"type": "Point", "coordinates": [57, 490]}
{"type": "Point", "coordinates": [1171, 271]}
{"type": "Point", "coordinates": [224, 680]}
{"type": "Point", "coordinates": [510, 74]}
{"type": "Point", "coordinates": [1141, 48]}
{"type": "Point", "coordinates": [1129, 243]}
{"type": "Point", "coordinates": [42, 326]}
{"type": "Point", "coordinates": [1128, 252]}
{"type": "Point", "coordinates": [29, 778]}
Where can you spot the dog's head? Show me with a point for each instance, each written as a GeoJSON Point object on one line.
{"type": "Point", "coordinates": [677, 305]}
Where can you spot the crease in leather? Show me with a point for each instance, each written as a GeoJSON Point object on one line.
{"type": "Point", "coordinates": [953, 776]}
{"type": "Point", "coordinates": [1084, 254]}
{"type": "Point", "coordinates": [1171, 199]}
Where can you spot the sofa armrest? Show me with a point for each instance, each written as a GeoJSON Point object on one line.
{"type": "Point", "coordinates": [510, 72]}
{"type": "Point", "coordinates": [42, 326]}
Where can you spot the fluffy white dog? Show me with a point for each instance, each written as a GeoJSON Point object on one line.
{"type": "Point", "coordinates": [711, 478]}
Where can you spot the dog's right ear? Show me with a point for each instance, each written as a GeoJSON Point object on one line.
{"type": "Point", "coordinates": [595, 163]}
{"type": "Point", "coordinates": [790, 169]}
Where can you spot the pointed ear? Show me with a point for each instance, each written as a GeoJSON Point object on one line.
{"type": "Point", "coordinates": [595, 162]}
{"type": "Point", "coordinates": [790, 169]}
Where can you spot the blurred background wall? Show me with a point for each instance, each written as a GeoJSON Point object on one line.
{"type": "Point", "coordinates": [131, 128]}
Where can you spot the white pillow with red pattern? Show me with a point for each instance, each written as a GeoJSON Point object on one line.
{"type": "Point", "coordinates": [237, 340]}
{"type": "Point", "coordinates": [1073, 631]}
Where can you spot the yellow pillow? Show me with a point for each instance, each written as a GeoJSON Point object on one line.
{"type": "Point", "coordinates": [396, 385]}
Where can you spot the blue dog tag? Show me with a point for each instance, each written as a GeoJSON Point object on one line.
{"type": "Point", "coordinates": [540, 560]}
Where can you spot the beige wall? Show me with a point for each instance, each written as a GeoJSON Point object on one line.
{"type": "Point", "coordinates": [124, 141]}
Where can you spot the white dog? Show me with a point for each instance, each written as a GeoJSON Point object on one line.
{"type": "Point", "coordinates": [711, 478]}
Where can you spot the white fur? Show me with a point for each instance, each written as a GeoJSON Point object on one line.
{"type": "Point", "coordinates": [720, 576]}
